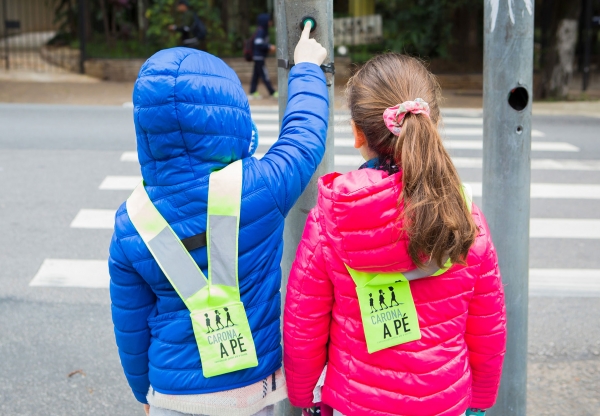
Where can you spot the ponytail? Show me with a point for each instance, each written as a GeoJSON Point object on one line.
{"type": "Point", "coordinates": [436, 217]}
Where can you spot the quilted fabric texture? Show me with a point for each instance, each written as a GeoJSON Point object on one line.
{"type": "Point", "coordinates": [456, 364]}
{"type": "Point", "coordinates": [191, 118]}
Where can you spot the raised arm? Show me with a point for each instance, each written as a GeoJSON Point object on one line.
{"type": "Point", "coordinates": [293, 159]}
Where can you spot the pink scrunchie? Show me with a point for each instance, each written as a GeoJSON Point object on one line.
{"type": "Point", "coordinates": [393, 117]}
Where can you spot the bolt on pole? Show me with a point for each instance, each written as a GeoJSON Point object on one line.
{"type": "Point", "coordinates": [289, 15]}
{"type": "Point", "coordinates": [508, 82]}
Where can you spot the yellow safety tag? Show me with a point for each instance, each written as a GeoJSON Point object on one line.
{"type": "Point", "coordinates": [387, 309]}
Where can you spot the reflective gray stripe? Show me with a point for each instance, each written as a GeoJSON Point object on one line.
{"type": "Point", "coordinates": [416, 274]}
{"type": "Point", "coordinates": [223, 250]}
{"type": "Point", "coordinates": [176, 263]}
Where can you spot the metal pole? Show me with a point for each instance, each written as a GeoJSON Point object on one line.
{"type": "Point", "coordinates": [587, 42]}
{"type": "Point", "coordinates": [5, 33]}
{"type": "Point", "coordinates": [82, 36]}
{"type": "Point", "coordinates": [508, 81]}
{"type": "Point", "coordinates": [288, 16]}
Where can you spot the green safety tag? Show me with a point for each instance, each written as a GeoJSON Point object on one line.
{"type": "Point", "coordinates": [387, 309]}
{"type": "Point", "coordinates": [224, 339]}
{"type": "Point", "coordinates": [218, 316]}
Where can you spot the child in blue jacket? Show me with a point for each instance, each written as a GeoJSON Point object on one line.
{"type": "Point", "coordinates": [192, 118]}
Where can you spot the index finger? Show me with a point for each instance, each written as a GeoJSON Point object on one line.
{"type": "Point", "coordinates": [306, 30]}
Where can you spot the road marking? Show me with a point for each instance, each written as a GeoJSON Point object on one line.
{"type": "Point", "coordinates": [92, 274]}
{"type": "Point", "coordinates": [470, 121]}
{"type": "Point", "coordinates": [123, 183]}
{"type": "Point", "coordinates": [342, 118]}
{"type": "Point", "coordinates": [553, 147]}
{"type": "Point", "coordinates": [554, 190]}
{"type": "Point", "coordinates": [452, 144]}
{"type": "Point", "coordinates": [95, 219]}
{"type": "Point", "coordinates": [539, 227]}
{"type": "Point", "coordinates": [564, 282]}
{"type": "Point", "coordinates": [564, 228]}
{"type": "Point", "coordinates": [535, 146]}
{"type": "Point", "coordinates": [538, 190]}
{"type": "Point", "coordinates": [536, 164]}
{"type": "Point", "coordinates": [354, 161]}
{"type": "Point", "coordinates": [129, 157]}
{"type": "Point", "coordinates": [478, 131]}
{"type": "Point", "coordinates": [347, 129]}
{"type": "Point", "coordinates": [274, 116]}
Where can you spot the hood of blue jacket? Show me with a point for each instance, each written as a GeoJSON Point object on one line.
{"type": "Point", "coordinates": [191, 116]}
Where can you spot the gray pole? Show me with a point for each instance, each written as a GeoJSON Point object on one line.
{"type": "Point", "coordinates": [508, 80]}
{"type": "Point", "coordinates": [82, 36]}
{"type": "Point", "coordinates": [5, 33]}
{"type": "Point", "coordinates": [288, 16]}
{"type": "Point", "coordinates": [588, 10]}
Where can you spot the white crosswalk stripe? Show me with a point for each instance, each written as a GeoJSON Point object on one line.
{"type": "Point", "coordinates": [129, 157]}
{"type": "Point", "coordinates": [451, 144]}
{"type": "Point", "coordinates": [94, 219]}
{"type": "Point", "coordinates": [347, 129]}
{"type": "Point", "coordinates": [538, 190]}
{"type": "Point", "coordinates": [120, 182]}
{"type": "Point", "coordinates": [539, 227]}
{"type": "Point", "coordinates": [461, 130]}
{"type": "Point", "coordinates": [564, 282]}
{"type": "Point", "coordinates": [91, 274]}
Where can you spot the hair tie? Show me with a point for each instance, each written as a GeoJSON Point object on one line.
{"type": "Point", "coordinates": [393, 117]}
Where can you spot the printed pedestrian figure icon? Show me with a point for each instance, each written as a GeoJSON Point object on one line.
{"type": "Point", "coordinates": [228, 317]}
{"type": "Point", "coordinates": [393, 297]}
{"type": "Point", "coordinates": [208, 324]}
{"type": "Point", "coordinates": [382, 304]}
{"type": "Point", "coordinates": [372, 303]}
{"type": "Point", "coordinates": [218, 320]}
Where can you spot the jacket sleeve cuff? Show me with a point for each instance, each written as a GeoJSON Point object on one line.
{"type": "Point", "coordinates": [307, 68]}
{"type": "Point", "coordinates": [140, 397]}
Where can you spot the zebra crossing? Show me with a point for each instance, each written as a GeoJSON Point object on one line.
{"type": "Point", "coordinates": [462, 132]}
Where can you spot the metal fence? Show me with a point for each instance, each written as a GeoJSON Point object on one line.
{"type": "Point", "coordinates": [28, 37]}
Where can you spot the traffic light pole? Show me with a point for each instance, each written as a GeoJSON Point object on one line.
{"type": "Point", "coordinates": [508, 81]}
{"type": "Point", "coordinates": [289, 15]}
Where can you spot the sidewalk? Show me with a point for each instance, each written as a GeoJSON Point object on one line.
{"type": "Point", "coordinates": [69, 88]}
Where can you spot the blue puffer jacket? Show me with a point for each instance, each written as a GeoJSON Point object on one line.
{"type": "Point", "coordinates": [191, 118]}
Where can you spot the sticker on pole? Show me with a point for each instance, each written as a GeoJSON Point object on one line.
{"type": "Point", "coordinates": [388, 312]}
{"type": "Point", "coordinates": [224, 339]}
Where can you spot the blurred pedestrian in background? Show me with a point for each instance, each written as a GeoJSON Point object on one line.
{"type": "Point", "coordinates": [403, 215]}
{"type": "Point", "coordinates": [261, 50]}
{"type": "Point", "coordinates": [189, 25]}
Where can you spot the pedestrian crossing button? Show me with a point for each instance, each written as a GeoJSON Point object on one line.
{"type": "Point", "coordinates": [313, 23]}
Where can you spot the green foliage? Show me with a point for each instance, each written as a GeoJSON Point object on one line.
{"type": "Point", "coordinates": [419, 27]}
{"type": "Point", "coordinates": [161, 14]}
{"type": "Point", "coordinates": [65, 21]}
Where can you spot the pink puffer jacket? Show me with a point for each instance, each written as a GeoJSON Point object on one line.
{"type": "Point", "coordinates": [458, 361]}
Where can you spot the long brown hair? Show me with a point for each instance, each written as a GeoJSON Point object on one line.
{"type": "Point", "coordinates": [436, 218]}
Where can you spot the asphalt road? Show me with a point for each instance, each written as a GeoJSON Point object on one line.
{"type": "Point", "coordinates": [57, 350]}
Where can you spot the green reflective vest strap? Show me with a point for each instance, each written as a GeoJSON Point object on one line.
{"type": "Point", "coordinates": [218, 316]}
{"type": "Point", "coordinates": [386, 304]}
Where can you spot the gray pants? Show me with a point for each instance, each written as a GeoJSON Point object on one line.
{"type": "Point", "coordinates": [157, 411]}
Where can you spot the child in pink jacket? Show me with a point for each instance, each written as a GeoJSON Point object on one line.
{"type": "Point", "coordinates": [403, 215]}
